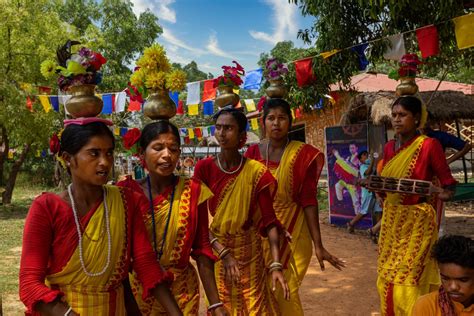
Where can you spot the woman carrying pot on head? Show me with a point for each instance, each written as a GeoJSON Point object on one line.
{"type": "Point", "coordinates": [242, 207]}
{"type": "Point", "coordinates": [78, 245]}
{"type": "Point", "coordinates": [176, 219]}
{"type": "Point", "coordinates": [297, 167]}
{"type": "Point", "coordinates": [409, 229]}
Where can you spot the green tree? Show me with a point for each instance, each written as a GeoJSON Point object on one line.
{"type": "Point", "coordinates": [28, 31]}
{"type": "Point", "coordinates": [341, 24]}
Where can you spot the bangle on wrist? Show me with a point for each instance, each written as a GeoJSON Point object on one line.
{"type": "Point", "coordinates": [214, 306]}
{"type": "Point", "coordinates": [213, 240]}
{"type": "Point", "coordinates": [69, 310]}
{"type": "Point", "coordinates": [224, 252]}
{"type": "Point", "coordinates": [274, 266]}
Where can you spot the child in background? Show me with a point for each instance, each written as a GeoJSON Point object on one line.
{"type": "Point", "coordinates": [455, 297]}
{"type": "Point", "coordinates": [368, 201]}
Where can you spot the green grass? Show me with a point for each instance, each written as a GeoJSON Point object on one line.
{"type": "Point", "coordinates": [12, 219]}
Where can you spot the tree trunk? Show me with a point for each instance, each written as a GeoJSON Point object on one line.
{"type": "Point", "coordinates": [4, 154]}
{"type": "Point", "coordinates": [10, 185]}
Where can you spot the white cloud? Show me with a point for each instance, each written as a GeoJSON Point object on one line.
{"type": "Point", "coordinates": [173, 40]}
{"type": "Point", "coordinates": [284, 17]}
{"type": "Point", "coordinates": [213, 47]}
{"type": "Point", "coordinates": [162, 8]}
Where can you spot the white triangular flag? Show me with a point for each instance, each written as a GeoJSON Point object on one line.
{"type": "Point", "coordinates": [193, 93]}
{"type": "Point", "coordinates": [396, 49]}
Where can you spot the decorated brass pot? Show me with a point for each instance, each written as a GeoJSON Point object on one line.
{"type": "Point", "coordinates": [226, 96]}
{"type": "Point", "coordinates": [407, 86]}
{"type": "Point", "coordinates": [276, 89]}
{"type": "Point", "coordinates": [159, 106]}
{"type": "Point", "coordinates": [83, 101]}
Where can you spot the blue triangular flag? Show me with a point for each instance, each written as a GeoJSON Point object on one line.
{"type": "Point", "coordinates": [123, 131]}
{"type": "Point", "coordinates": [360, 50]}
{"type": "Point", "coordinates": [54, 102]}
{"type": "Point", "coordinates": [208, 108]}
{"type": "Point", "coordinates": [252, 79]}
{"type": "Point", "coordinates": [213, 130]}
{"type": "Point", "coordinates": [107, 108]}
{"type": "Point", "coordinates": [175, 97]}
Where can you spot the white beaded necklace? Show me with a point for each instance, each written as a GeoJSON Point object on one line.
{"type": "Point", "coordinates": [78, 227]}
{"type": "Point", "coordinates": [230, 172]}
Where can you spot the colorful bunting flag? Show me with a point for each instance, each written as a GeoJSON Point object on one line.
{"type": "Point", "coordinates": [428, 41]}
{"type": "Point", "coordinates": [396, 48]}
{"type": "Point", "coordinates": [250, 105]}
{"type": "Point", "coordinates": [193, 109]}
{"type": "Point", "coordinates": [198, 133]}
{"type": "Point", "coordinates": [236, 90]}
{"type": "Point", "coordinates": [107, 108]}
{"type": "Point", "coordinates": [113, 101]}
{"type": "Point", "coordinates": [360, 51]}
{"type": "Point", "coordinates": [117, 131]}
{"type": "Point", "coordinates": [209, 91]}
{"type": "Point", "coordinates": [120, 101]}
{"type": "Point", "coordinates": [293, 113]}
{"type": "Point", "coordinates": [134, 106]}
{"type": "Point", "coordinates": [329, 53]}
{"type": "Point", "coordinates": [205, 131]}
{"type": "Point", "coordinates": [10, 154]}
{"type": "Point", "coordinates": [29, 103]}
{"type": "Point", "coordinates": [44, 100]}
{"type": "Point", "coordinates": [208, 108]}
{"type": "Point", "coordinates": [54, 102]}
{"type": "Point", "coordinates": [44, 90]}
{"type": "Point", "coordinates": [190, 133]}
{"type": "Point", "coordinates": [175, 97]}
{"type": "Point", "coordinates": [304, 71]}
{"type": "Point", "coordinates": [212, 130]}
{"type": "Point", "coordinates": [123, 131]}
{"type": "Point", "coordinates": [298, 113]}
{"type": "Point", "coordinates": [183, 132]}
{"type": "Point", "coordinates": [254, 123]}
{"type": "Point", "coordinates": [253, 79]}
{"type": "Point", "coordinates": [463, 27]}
{"type": "Point", "coordinates": [180, 109]}
{"type": "Point", "coordinates": [193, 93]}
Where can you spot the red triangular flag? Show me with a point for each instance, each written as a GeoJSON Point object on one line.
{"type": "Point", "coordinates": [29, 104]}
{"type": "Point", "coordinates": [428, 41]}
{"type": "Point", "coordinates": [113, 102]}
{"type": "Point", "coordinates": [44, 90]}
{"type": "Point", "coordinates": [298, 113]}
{"type": "Point", "coordinates": [134, 106]}
{"type": "Point", "coordinates": [180, 109]}
{"type": "Point", "coordinates": [209, 91]}
{"type": "Point", "coordinates": [304, 71]}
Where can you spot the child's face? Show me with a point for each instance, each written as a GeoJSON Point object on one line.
{"type": "Point", "coordinates": [458, 282]}
{"type": "Point", "coordinates": [363, 157]}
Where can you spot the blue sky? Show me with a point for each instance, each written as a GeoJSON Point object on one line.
{"type": "Point", "coordinates": [215, 32]}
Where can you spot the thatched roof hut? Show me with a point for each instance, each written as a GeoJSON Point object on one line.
{"type": "Point", "coordinates": [376, 106]}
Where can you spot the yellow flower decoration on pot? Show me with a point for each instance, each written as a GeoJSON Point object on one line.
{"type": "Point", "coordinates": [176, 80]}
{"type": "Point", "coordinates": [156, 80]}
{"type": "Point", "coordinates": [48, 68]}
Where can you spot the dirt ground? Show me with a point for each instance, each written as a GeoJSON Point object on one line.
{"type": "Point", "coordinates": [332, 292]}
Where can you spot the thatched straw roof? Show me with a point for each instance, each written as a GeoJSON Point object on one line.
{"type": "Point", "coordinates": [376, 106]}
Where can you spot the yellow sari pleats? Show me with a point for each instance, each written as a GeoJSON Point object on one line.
{"type": "Point", "coordinates": [251, 295]}
{"type": "Point", "coordinates": [405, 268]}
{"type": "Point", "coordinates": [99, 295]}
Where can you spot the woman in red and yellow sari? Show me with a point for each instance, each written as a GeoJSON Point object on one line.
{"type": "Point", "coordinates": [409, 228]}
{"type": "Point", "coordinates": [178, 229]}
{"type": "Point", "coordinates": [241, 208]}
{"type": "Point", "coordinates": [78, 245]}
{"type": "Point", "coordinates": [297, 167]}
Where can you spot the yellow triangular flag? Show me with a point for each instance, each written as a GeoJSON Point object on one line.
{"type": "Point", "coordinates": [250, 105]}
{"type": "Point", "coordinates": [117, 131]}
{"type": "Point", "coordinates": [10, 154]}
{"type": "Point", "coordinates": [236, 90]}
{"type": "Point", "coordinates": [193, 109]}
{"type": "Point", "coordinates": [463, 27]}
{"type": "Point", "coordinates": [191, 132]}
{"type": "Point", "coordinates": [293, 113]}
{"type": "Point", "coordinates": [99, 96]}
{"type": "Point", "coordinates": [44, 100]}
{"type": "Point", "coordinates": [330, 53]}
{"type": "Point", "coordinates": [38, 154]}
{"type": "Point", "coordinates": [254, 123]}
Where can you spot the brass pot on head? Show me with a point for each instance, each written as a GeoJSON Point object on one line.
{"type": "Point", "coordinates": [83, 101]}
{"type": "Point", "coordinates": [276, 89]}
{"type": "Point", "coordinates": [407, 86]}
{"type": "Point", "coordinates": [226, 96]}
{"type": "Point", "coordinates": [159, 106]}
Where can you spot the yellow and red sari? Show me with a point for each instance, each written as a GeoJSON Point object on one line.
{"type": "Point", "coordinates": [241, 207]}
{"type": "Point", "coordinates": [297, 174]}
{"type": "Point", "coordinates": [409, 227]}
{"type": "Point", "coordinates": [50, 265]}
{"type": "Point", "coordinates": [188, 235]}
